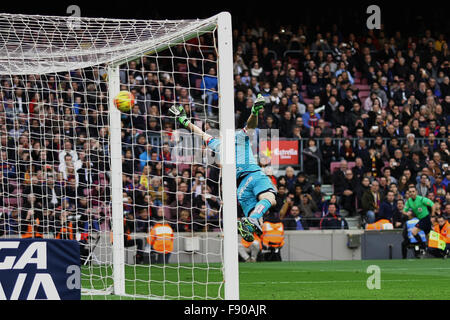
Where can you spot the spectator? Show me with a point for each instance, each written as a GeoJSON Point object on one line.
{"type": "Point", "coordinates": [294, 220]}
{"type": "Point", "coordinates": [399, 218]}
{"type": "Point", "coordinates": [317, 195]}
{"type": "Point", "coordinates": [371, 201]}
{"type": "Point", "coordinates": [342, 69]}
{"type": "Point", "coordinates": [287, 125]}
{"type": "Point", "coordinates": [292, 78]}
{"type": "Point", "coordinates": [146, 156]}
{"type": "Point", "coordinates": [359, 169]}
{"type": "Point", "coordinates": [332, 220]}
{"type": "Point", "coordinates": [387, 207]}
{"type": "Point", "coordinates": [290, 178]}
{"type": "Point", "coordinates": [348, 196]}
{"type": "Point", "coordinates": [329, 152]}
{"type": "Point", "coordinates": [313, 88]}
{"type": "Point", "coordinates": [209, 85]}
{"type": "Point", "coordinates": [338, 177]}
{"type": "Point", "coordinates": [374, 163]}
{"type": "Point", "coordinates": [402, 95]}
{"type": "Point", "coordinates": [303, 182]}
{"type": "Point", "coordinates": [310, 117]}
{"type": "Point", "coordinates": [308, 209]}
{"type": "Point", "coordinates": [346, 151]}
{"type": "Point", "coordinates": [438, 187]}
{"type": "Point", "coordinates": [423, 186]}
{"type": "Point", "coordinates": [311, 156]}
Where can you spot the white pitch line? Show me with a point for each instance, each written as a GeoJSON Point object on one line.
{"type": "Point", "coordinates": [348, 270]}
{"type": "Point", "coordinates": [327, 282]}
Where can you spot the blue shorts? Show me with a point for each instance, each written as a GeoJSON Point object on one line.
{"type": "Point", "coordinates": [250, 188]}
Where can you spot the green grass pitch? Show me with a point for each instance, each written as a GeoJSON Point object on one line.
{"type": "Point", "coordinates": [323, 280]}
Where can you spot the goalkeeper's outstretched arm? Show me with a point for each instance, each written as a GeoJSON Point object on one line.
{"type": "Point", "coordinates": [180, 115]}
{"type": "Point", "coordinates": [252, 121]}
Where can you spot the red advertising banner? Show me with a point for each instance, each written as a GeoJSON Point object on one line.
{"type": "Point", "coordinates": [280, 152]}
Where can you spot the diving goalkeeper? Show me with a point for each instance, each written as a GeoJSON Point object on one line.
{"type": "Point", "coordinates": [255, 191]}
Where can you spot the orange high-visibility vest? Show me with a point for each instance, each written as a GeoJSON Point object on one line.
{"type": "Point", "coordinates": [32, 231]}
{"type": "Point", "coordinates": [65, 232]}
{"type": "Point", "coordinates": [382, 224]}
{"type": "Point", "coordinates": [436, 240]}
{"type": "Point", "coordinates": [273, 234]}
{"type": "Point", "coordinates": [444, 231]}
{"type": "Point", "coordinates": [161, 238]}
{"type": "Point", "coordinates": [247, 244]}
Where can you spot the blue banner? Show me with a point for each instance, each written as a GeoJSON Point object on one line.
{"type": "Point", "coordinates": [39, 269]}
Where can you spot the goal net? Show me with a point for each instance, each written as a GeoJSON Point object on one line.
{"type": "Point", "coordinates": [153, 209]}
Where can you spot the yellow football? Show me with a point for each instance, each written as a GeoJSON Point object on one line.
{"type": "Point", "coordinates": [124, 101]}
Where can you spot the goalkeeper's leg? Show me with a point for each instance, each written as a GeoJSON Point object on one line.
{"type": "Point", "coordinates": [266, 201]}
{"type": "Point", "coordinates": [253, 222]}
{"type": "Point", "coordinates": [256, 194]}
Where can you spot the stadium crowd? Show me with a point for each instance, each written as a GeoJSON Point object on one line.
{"type": "Point", "coordinates": [375, 103]}
{"type": "Point", "coordinates": [371, 109]}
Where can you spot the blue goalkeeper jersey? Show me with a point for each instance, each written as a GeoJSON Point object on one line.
{"type": "Point", "coordinates": [245, 160]}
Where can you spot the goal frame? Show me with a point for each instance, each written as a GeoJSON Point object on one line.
{"type": "Point", "coordinates": [230, 266]}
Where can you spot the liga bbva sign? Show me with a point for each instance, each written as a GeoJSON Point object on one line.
{"type": "Point", "coordinates": [39, 269]}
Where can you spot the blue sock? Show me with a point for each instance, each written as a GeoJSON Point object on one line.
{"type": "Point", "coordinates": [261, 208]}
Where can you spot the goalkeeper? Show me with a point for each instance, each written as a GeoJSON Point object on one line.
{"type": "Point", "coordinates": [255, 191]}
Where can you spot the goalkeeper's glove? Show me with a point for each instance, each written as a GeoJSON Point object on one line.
{"type": "Point", "coordinates": [259, 104]}
{"type": "Point", "coordinates": [180, 115]}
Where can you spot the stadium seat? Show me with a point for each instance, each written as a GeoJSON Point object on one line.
{"type": "Point", "coordinates": [362, 87]}
{"type": "Point", "coordinates": [353, 222]}
{"type": "Point", "coordinates": [343, 212]}
{"type": "Point", "coordinates": [308, 100]}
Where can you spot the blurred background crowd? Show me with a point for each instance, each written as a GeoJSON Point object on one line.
{"type": "Point", "coordinates": [369, 109]}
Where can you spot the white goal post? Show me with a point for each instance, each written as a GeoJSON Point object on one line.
{"type": "Point", "coordinates": [38, 47]}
